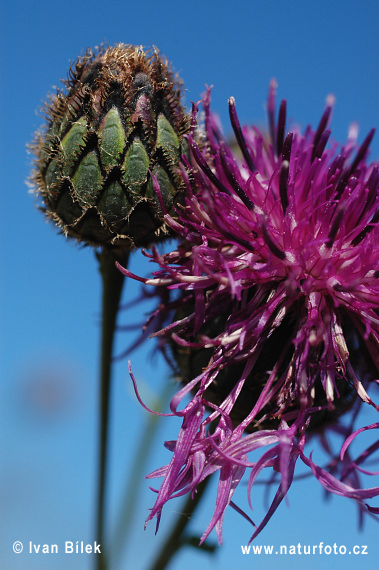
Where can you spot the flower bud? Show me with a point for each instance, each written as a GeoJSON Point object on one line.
{"type": "Point", "coordinates": [118, 122]}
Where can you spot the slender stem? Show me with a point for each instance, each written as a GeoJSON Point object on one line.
{"type": "Point", "coordinates": [112, 281]}
{"type": "Point", "coordinates": [133, 480]}
{"type": "Point", "coordinates": [176, 538]}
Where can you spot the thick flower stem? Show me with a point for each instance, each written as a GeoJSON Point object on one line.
{"type": "Point", "coordinates": [112, 281]}
{"type": "Point", "coordinates": [176, 538]}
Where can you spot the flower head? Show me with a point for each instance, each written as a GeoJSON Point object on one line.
{"type": "Point", "coordinates": [119, 120]}
{"type": "Point", "coordinates": [276, 332]}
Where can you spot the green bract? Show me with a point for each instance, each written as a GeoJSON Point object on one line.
{"type": "Point", "coordinates": [119, 122]}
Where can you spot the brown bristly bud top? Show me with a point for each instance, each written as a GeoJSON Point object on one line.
{"type": "Point", "coordinates": [118, 121]}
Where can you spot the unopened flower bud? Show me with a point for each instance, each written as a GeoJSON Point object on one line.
{"type": "Point", "coordinates": [118, 122]}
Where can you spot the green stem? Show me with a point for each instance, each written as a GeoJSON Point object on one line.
{"type": "Point", "coordinates": [176, 538]}
{"type": "Point", "coordinates": [112, 281]}
{"type": "Point", "coordinates": [134, 478]}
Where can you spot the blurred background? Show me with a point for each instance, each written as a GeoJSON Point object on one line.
{"type": "Point", "coordinates": [50, 288]}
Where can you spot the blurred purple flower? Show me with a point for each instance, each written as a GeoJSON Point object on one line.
{"type": "Point", "coordinates": [277, 307]}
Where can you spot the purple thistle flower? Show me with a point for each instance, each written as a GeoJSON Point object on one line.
{"type": "Point", "coordinates": [276, 297]}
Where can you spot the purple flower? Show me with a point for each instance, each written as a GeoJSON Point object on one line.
{"type": "Point", "coordinates": [275, 288]}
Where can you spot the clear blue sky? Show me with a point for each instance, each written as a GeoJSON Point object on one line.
{"type": "Point", "coordinates": [51, 290]}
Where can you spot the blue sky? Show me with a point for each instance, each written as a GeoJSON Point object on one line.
{"type": "Point", "coordinates": [51, 288]}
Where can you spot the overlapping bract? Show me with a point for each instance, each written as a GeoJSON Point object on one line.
{"type": "Point", "coordinates": [277, 306]}
{"type": "Point", "coordinates": [119, 119]}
